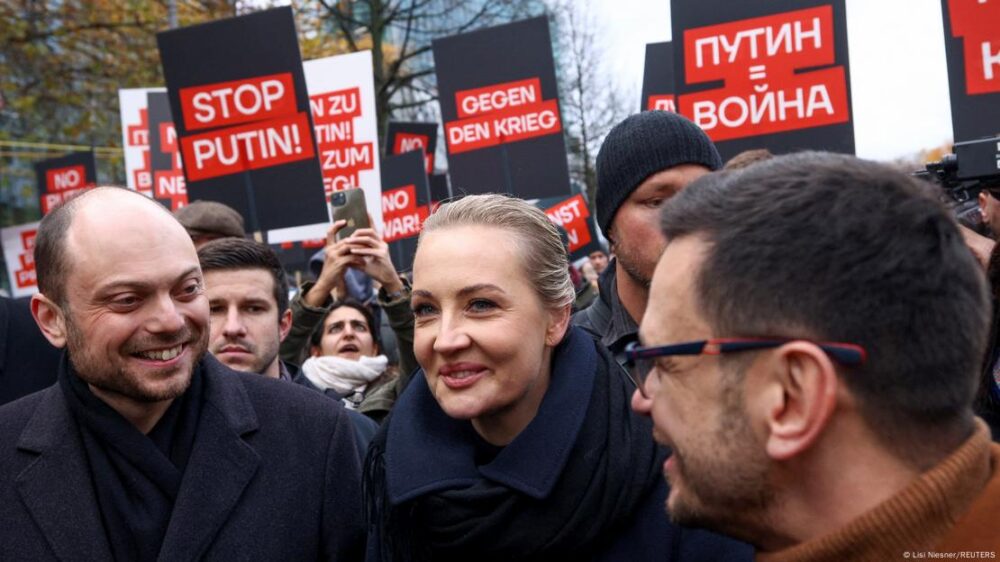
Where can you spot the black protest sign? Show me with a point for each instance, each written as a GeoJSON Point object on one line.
{"type": "Point", "coordinates": [500, 106]}
{"type": "Point", "coordinates": [440, 189]}
{"type": "Point", "coordinates": [658, 78]}
{"type": "Point", "coordinates": [405, 205]}
{"type": "Point", "coordinates": [572, 214]}
{"type": "Point", "coordinates": [761, 74]}
{"type": "Point", "coordinates": [972, 46]}
{"type": "Point", "coordinates": [169, 185]}
{"type": "Point", "coordinates": [406, 136]}
{"type": "Point", "coordinates": [241, 110]}
{"type": "Point", "coordinates": [63, 177]}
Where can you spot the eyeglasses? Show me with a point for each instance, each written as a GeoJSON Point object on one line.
{"type": "Point", "coordinates": [639, 360]}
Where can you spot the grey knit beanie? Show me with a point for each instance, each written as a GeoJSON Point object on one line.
{"type": "Point", "coordinates": [640, 146]}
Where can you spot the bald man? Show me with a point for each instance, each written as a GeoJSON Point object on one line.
{"type": "Point", "coordinates": [146, 447]}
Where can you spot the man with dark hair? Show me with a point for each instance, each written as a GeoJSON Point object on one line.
{"type": "Point", "coordinates": [248, 305]}
{"type": "Point", "coordinates": [599, 259]}
{"type": "Point", "coordinates": [248, 308]}
{"type": "Point", "coordinates": [816, 384]}
{"type": "Point", "coordinates": [645, 160]}
{"type": "Point", "coordinates": [147, 448]}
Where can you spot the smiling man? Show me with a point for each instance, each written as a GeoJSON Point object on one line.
{"type": "Point", "coordinates": [815, 385]}
{"type": "Point", "coordinates": [147, 448]}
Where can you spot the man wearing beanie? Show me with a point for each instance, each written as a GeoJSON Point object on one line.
{"type": "Point", "coordinates": [645, 160]}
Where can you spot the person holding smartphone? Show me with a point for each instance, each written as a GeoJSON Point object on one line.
{"type": "Point", "coordinates": [317, 302]}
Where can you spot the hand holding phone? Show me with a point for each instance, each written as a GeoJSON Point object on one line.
{"type": "Point", "coordinates": [349, 206]}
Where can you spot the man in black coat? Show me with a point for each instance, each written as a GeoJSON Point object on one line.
{"type": "Point", "coordinates": [146, 448]}
{"type": "Point", "coordinates": [27, 361]}
{"type": "Point", "coordinates": [645, 160]}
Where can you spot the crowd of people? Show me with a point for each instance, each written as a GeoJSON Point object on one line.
{"type": "Point", "coordinates": [784, 358]}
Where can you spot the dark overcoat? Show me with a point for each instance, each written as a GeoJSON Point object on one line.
{"type": "Point", "coordinates": [273, 475]}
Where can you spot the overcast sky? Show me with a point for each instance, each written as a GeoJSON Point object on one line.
{"type": "Point", "coordinates": [899, 80]}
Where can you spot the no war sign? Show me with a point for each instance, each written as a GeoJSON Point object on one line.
{"type": "Point", "coordinates": [62, 178]}
{"type": "Point", "coordinates": [405, 136]}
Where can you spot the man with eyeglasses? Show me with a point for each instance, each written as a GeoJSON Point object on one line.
{"type": "Point", "coordinates": [816, 385]}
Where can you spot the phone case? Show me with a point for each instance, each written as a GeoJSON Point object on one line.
{"type": "Point", "coordinates": [353, 210]}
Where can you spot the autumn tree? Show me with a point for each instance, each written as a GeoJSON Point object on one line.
{"type": "Point", "coordinates": [399, 34]}
{"type": "Point", "coordinates": [592, 103]}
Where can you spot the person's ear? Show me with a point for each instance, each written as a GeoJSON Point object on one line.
{"type": "Point", "coordinates": [284, 325]}
{"type": "Point", "coordinates": [983, 208]}
{"type": "Point", "coordinates": [558, 324]}
{"type": "Point", "coordinates": [315, 351]}
{"type": "Point", "coordinates": [49, 317]}
{"type": "Point", "coordinates": [795, 393]}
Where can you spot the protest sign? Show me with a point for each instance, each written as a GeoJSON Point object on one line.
{"type": "Point", "coordinates": [405, 205]}
{"type": "Point", "coordinates": [133, 106]}
{"type": "Point", "coordinates": [63, 177]}
{"type": "Point", "coordinates": [440, 189]}
{"type": "Point", "coordinates": [342, 100]}
{"type": "Point", "coordinates": [165, 162]}
{"type": "Point", "coordinates": [764, 74]}
{"type": "Point", "coordinates": [972, 46]}
{"type": "Point", "coordinates": [241, 115]}
{"type": "Point", "coordinates": [404, 136]}
{"type": "Point", "coordinates": [18, 244]}
{"type": "Point", "coordinates": [658, 78]}
{"type": "Point", "coordinates": [500, 106]}
{"type": "Point", "coordinates": [572, 214]}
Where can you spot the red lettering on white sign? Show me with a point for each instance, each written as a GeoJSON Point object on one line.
{"type": "Point", "coordinates": [138, 135]}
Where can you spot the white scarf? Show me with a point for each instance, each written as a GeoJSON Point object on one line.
{"type": "Point", "coordinates": [346, 377]}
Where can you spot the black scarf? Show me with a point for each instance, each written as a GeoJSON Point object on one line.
{"type": "Point", "coordinates": [136, 477]}
{"type": "Point", "coordinates": [612, 465]}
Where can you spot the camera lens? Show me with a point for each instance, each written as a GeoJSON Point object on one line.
{"type": "Point", "coordinates": [338, 198]}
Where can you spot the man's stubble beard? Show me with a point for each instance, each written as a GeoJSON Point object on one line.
{"type": "Point", "coordinates": [117, 380]}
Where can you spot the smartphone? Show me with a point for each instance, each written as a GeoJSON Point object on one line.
{"type": "Point", "coordinates": [349, 205]}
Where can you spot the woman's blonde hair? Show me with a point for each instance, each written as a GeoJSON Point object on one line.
{"type": "Point", "coordinates": [543, 255]}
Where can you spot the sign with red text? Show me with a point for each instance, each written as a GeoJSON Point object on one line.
{"type": "Point", "coordinates": [61, 178]}
{"type": "Point", "coordinates": [241, 119]}
{"type": "Point", "coordinates": [165, 162]}
{"type": "Point", "coordinates": [134, 111]}
{"type": "Point", "coordinates": [342, 101]}
{"type": "Point", "coordinates": [658, 78]}
{"type": "Point", "coordinates": [573, 215]}
{"type": "Point", "coordinates": [405, 205]}
{"type": "Point", "coordinates": [972, 46]}
{"type": "Point", "coordinates": [406, 136]}
{"type": "Point", "coordinates": [764, 74]}
{"type": "Point", "coordinates": [18, 244]}
{"type": "Point", "coordinates": [500, 107]}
